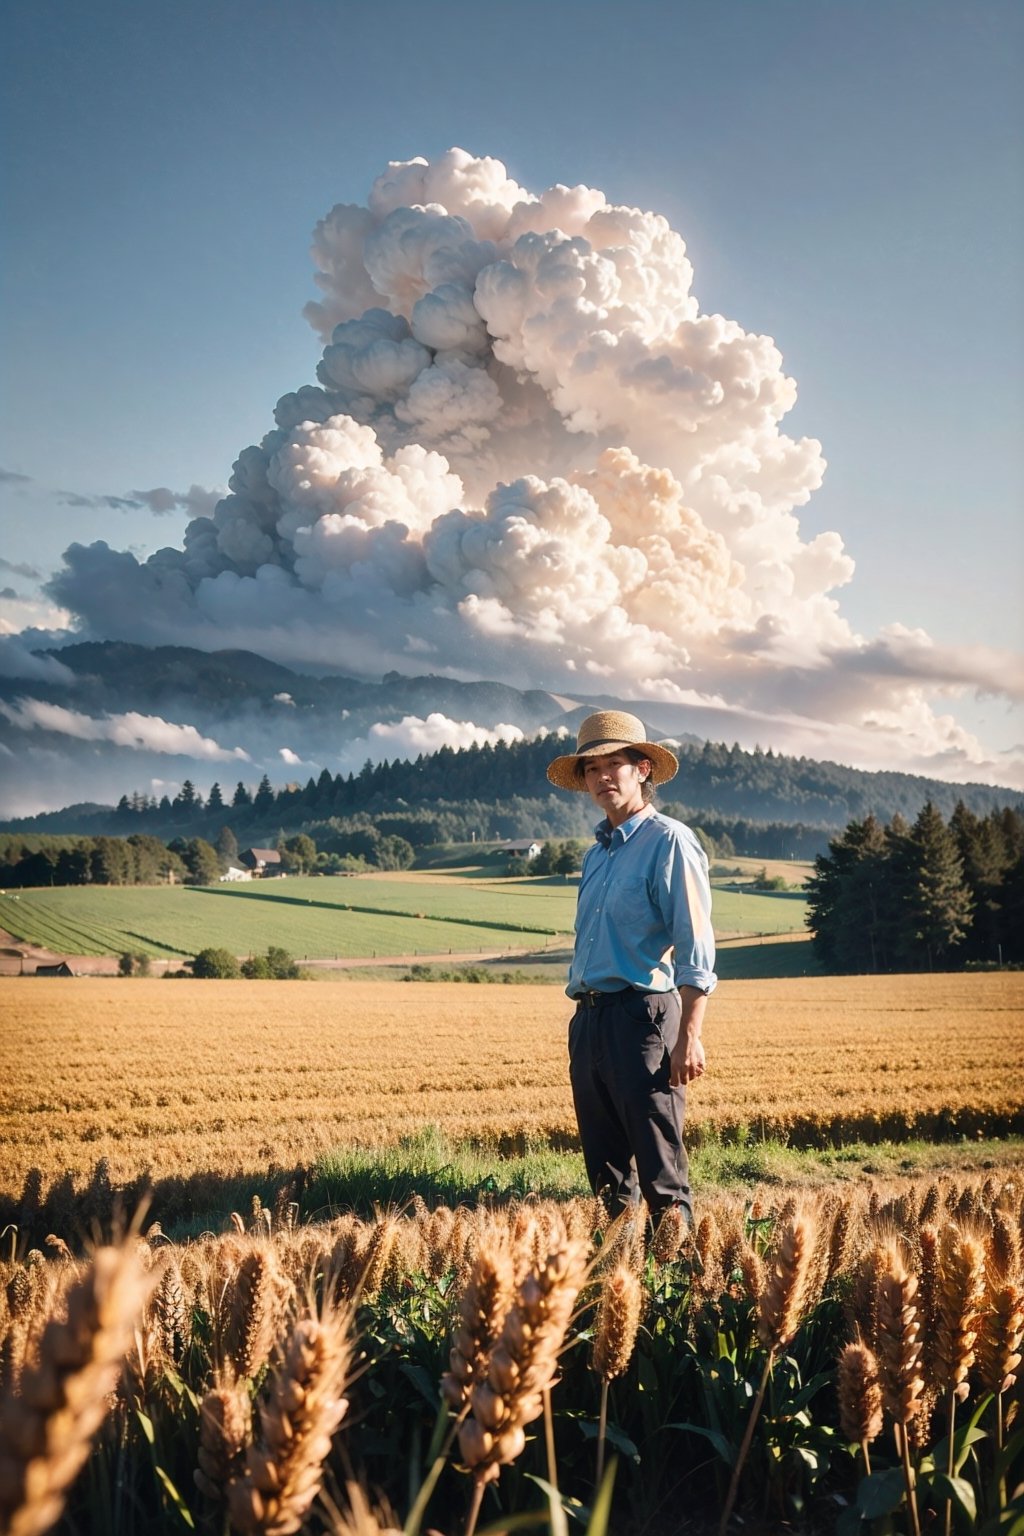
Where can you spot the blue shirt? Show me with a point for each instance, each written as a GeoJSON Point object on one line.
{"type": "Point", "coordinates": [643, 916]}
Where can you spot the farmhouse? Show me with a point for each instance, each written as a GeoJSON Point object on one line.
{"type": "Point", "coordinates": [234, 873]}
{"type": "Point", "coordinates": [60, 969]}
{"type": "Point", "coordinates": [262, 861]}
{"type": "Point", "coordinates": [525, 848]}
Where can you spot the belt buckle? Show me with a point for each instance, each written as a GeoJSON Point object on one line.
{"type": "Point", "coordinates": [591, 998]}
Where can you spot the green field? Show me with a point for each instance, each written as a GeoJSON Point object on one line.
{"type": "Point", "coordinates": [345, 918]}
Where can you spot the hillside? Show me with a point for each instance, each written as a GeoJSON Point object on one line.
{"type": "Point", "coordinates": [248, 717]}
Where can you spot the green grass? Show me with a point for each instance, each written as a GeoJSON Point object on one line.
{"type": "Point", "coordinates": [441, 1171]}
{"type": "Point", "coordinates": [745, 912]}
{"type": "Point", "coordinates": [767, 959]}
{"type": "Point", "coordinates": [176, 921]}
{"type": "Point", "coordinates": [319, 918]}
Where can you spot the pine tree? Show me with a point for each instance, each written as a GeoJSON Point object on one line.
{"type": "Point", "coordinates": [982, 847]}
{"type": "Point", "coordinates": [185, 801]}
{"type": "Point", "coordinates": [846, 899]}
{"type": "Point", "coordinates": [215, 800]}
{"type": "Point", "coordinates": [937, 914]}
{"type": "Point", "coordinates": [241, 797]}
{"type": "Point", "coordinates": [227, 847]}
{"type": "Point", "coordinates": [264, 800]}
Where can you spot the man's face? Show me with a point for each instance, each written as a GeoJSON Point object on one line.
{"type": "Point", "coordinates": [616, 784]}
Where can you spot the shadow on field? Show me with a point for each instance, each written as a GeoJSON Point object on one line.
{"type": "Point", "coordinates": [767, 960]}
{"type": "Point", "coordinates": [424, 1166]}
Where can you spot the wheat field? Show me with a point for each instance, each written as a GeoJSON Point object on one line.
{"type": "Point", "coordinates": [177, 1078]}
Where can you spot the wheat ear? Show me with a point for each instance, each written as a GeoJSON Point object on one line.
{"type": "Point", "coordinates": [482, 1310]}
{"type": "Point", "coordinates": [618, 1321]}
{"type": "Point", "coordinates": [45, 1429]}
{"type": "Point", "coordinates": [258, 1298]}
{"type": "Point", "coordinates": [999, 1343]}
{"type": "Point", "coordinates": [960, 1293]}
{"type": "Point", "coordinates": [672, 1232]}
{"type": "Point", "coordinates": [224, 1432]}
{"type": "Point", "coordinates": [899, 1362]}
{"type": "Point", "coordinates": [783, 1300]}
{"type": "Point", "coordinates": [860, 1398]}
{"type": "Point", "coordinates": [961, 1289]}
{"type": "Point", "coordinates": [780, 1307]}
{"type": "Point", "coordinates": [522, 1366]}
{"type": "Point", "coordinates": [284, 1469]}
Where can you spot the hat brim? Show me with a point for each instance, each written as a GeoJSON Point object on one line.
{"type": "Point", "coordinates": [664, 764]}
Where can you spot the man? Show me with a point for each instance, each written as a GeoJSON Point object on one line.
{"type": "Point", "coordinates": [642, 968]}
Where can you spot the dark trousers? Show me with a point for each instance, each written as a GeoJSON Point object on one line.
{"type": "Point", "coordinates": [630, 1119]}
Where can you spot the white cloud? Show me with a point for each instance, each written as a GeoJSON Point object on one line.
{"type": "Point", "coordinates": [530, 456]}
{"type": "Point", "coordinates": [145, 733]}
{"type": "Point", "coordinates": [413, 735]}
{"type": "Point", "coordinates": [292, 759]}
{"type": "Point", "coordinates": [18, 660]}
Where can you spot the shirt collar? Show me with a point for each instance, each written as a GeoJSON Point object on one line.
{"type": "Point", "coordinates": [605, 832]}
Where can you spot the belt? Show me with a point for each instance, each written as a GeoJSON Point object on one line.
{"type": "Point", "coordinates": [595, 999]}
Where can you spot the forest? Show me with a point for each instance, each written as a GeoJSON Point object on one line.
{"type": "Point", "coordinates": [926, 896]}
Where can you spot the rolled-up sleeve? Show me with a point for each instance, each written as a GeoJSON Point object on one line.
{"type": "Point", "coordinates": [684, 897]}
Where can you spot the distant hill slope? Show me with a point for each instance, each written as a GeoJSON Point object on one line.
{"type": "Point", "coordinates": [289, 724]}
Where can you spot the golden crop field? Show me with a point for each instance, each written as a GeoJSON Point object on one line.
{"type": "Point", "coordinates": [184, 1077]}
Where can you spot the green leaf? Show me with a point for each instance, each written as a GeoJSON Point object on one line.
{"type": "Point", "coordinates": [963, 1440]}
{"type": "Point", "coordinates": [423, 1383]}
{"type": "Point", "coordinates": [613, 1434]}
{"type": "Point", "coordinates": [603, 1503]}
{"type": "Point", "coordinates": [147, 1425]}
{"type": "Point", "coordinates": [958, 1491]}
{"type": "Point", "coordinates": [881, 1493]}
{"type": "Point", "coordinates": [724, 1447]}
{"type": "Point", "coordinates": [647, 1374]}
{"type": "Point", "coordinates": [1013, 1448]}
{"type": "Point", "coordinates": [556, 1506]}
{"type": "Point", "coordinates": [850, 1522]}
{"type": "Point", "coordinates": [176, 1498]}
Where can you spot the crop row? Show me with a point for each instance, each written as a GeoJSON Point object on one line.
{"type": "Point", "coordinates": [843, 1360]}
{"type": "Point", "coordinates": [280, 1073]}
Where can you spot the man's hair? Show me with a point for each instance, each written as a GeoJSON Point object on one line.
{"type": "Point", "coordinates": [640, 757]}
{"type": "Point", "coordinates": [634, 756]}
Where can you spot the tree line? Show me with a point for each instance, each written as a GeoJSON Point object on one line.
{"type": "Point", "coordinates": [920, 896]}
{"type": "Point", "coordinates": [143, 860]}
{"type": "Point", "coordinates": [769, 804]}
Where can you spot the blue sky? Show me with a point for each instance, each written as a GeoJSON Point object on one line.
{"type": "Point", "coordinates": [847, 178]}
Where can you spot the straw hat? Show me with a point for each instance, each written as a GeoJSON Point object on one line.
{"type": "Point", "coordinates": [609, 731]}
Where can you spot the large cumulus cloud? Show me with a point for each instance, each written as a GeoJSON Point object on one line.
{"type": "Point", "coordinates": [529, 456]}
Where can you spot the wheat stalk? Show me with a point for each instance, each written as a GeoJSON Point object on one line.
{"type": "Point", "coordinates": [522, 1366]}
{"type": "Point", "coordinates": [780, 1307]}
{"type": "Point", "coordinates": [899, 1361]}
{"type": "Point", "coordinates": [284, 1469]}
{"type": "Point", "coordinates": [46, 1429]}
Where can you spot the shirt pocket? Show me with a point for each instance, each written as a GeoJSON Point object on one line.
{"type": "Point", "coordinates": [629, 903]}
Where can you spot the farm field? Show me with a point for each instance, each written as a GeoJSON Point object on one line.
{"type": "Point", "coordinates": [182, 1078]}
{"type": "Point", "coordinates": [319, 918]}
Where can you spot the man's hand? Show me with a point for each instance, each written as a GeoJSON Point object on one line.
{"type": "Point", "coordinates": [687, 1061]}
